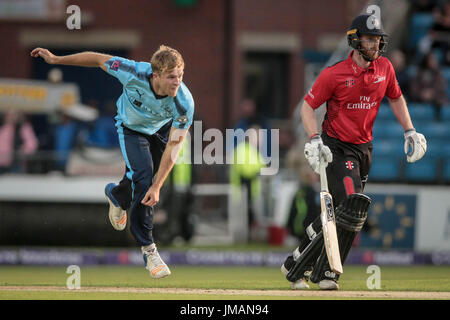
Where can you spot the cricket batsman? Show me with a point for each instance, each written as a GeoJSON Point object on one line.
{"type": "Point", "coordinates": [353, 90]}
{"type": "Point", "coordinates": [154, 113]}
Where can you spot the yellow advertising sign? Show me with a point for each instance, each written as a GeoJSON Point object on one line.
{"type": "Point", "coordinates": [35, 96]}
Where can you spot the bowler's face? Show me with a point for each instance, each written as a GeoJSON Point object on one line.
{"type": "Point", "coordinates": [170, 81]}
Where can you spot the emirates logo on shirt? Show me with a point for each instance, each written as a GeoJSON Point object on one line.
{"type": "Point", "coordinates": [363, 104]}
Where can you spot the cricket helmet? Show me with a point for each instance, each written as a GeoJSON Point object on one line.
{"type": "Point", "coordinates": [366, 24]}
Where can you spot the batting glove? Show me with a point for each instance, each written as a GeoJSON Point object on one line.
{"type": "Point", "coordinates": [316, 149]}
{"type": "Point", "coordinates": [415, 145]}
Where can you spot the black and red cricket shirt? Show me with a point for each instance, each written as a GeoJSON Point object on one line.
{"type": "Point", "coordinates": [353, 95]}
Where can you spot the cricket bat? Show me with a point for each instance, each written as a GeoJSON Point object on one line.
{"type": "Point", "coordinates": [328, 222]}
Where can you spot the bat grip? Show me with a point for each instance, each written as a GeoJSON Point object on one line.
{"type": "Point", "coordinates": [322, 172]}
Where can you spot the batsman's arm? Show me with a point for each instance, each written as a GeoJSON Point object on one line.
{"type": "Point", "coordinates": [415, 143]}
{"type": "Point", "coordinates": [401, 112]}
{"type": "Point", "coordinates": [82, 59]}
{"type": "Point", "coordinates": [168, 159]}
{"type": "Point", "coordinates": [309, 119]}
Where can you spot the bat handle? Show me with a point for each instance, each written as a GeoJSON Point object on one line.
{"type": "Point", "coordinates": [322, 173]}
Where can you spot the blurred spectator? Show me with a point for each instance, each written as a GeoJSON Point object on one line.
{"type": "Point", "coordinates": [250, 117]}
{"type": "Point", "coordinates": [64, 139]}
{"type": "Point", "coordinates": [18, 142]}
{"type": "Point", "coordinates": [55, 75]}
{"type": "Point", "coordinates": [245, 172]}
{"type": "Point", "coordinates": [66, 124]}
{"type": "Point", "coordinates": [61, 128]}
{"type": "Point", "coordinates": [178, 200]}
{"type": "Point", "coordinates": [423, 5]}
{"type": "Point", "coordinates": [72, 129]}
{"type": "Point", "coordinates": [104, 132]}
{"type": "Point", "coordinates": [429, 85]}
{"type": "Point", "coordinates": [441, 32]}
{"type": "Point", "coordinates": [397, 58]}
{"type": "Point", "coordinates": [442, 16]}
{"type": "Point", "coordinates": [424, 46]}
{"type": "Point", "coordinates": [44, 125]}
{"type": "Point", "coordinates": [305, 207]}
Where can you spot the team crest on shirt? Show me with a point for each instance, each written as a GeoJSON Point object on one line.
{"type": "Point", "coordinates": [349, 82]}
{"type": "Point", "coordinates": [182, 119]}
{"type": "Point", "coordinates": [349, 165]}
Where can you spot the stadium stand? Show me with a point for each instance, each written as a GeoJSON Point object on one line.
{"type": "Point", "coordinates": [421, 112]}
{"type": "Point", "coordinates": [389, 162]}
{"type": "Point", "coordinates": [419, 25]}
{"type": "Point", "coordinates": [446, 162]}
{"type": "Point", "coordinates": [446, 113]}
{"type": "Point", "coordinates": [386, 160]}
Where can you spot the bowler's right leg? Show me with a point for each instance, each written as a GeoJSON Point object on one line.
{"type": "Point", "coordinates": [119, 199]}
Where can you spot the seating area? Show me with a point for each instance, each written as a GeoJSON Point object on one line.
{"type": "Point", "coordinates": [428, 25]}
{"type": "Point", "coordinates": [389, 160]}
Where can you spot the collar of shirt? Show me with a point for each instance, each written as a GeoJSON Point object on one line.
{"type": "Point", "coordinates": [157, 96]}
{"type": "Point", "coordinates": [357, 70]}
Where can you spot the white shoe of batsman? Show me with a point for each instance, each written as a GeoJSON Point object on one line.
{"type": "Point", "coordinates": [300, 284]}
{"type": "Point", "coordinates": [297, 285]}
{"type": "Point", "coordinates": [154, 264]}
{"type": "Point", "coordinates": [328, 285]}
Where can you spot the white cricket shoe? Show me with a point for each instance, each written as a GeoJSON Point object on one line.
{"type": "Point", "coordinates": [117, 216]}
{"type": "Point", "coordinates": [297, 285]}
{"type": "Point", "coordinates": [328, 285]}
{"type": "Point", "coordinates": [154, 264]}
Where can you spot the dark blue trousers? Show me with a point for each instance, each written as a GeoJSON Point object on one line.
{"type": "Point", "coordinates": [142, 154]}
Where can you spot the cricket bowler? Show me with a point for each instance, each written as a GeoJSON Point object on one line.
{"type": "Point", "coordinates": [154, 113]}
{"type": "Point", "coordinates": [353, 90]}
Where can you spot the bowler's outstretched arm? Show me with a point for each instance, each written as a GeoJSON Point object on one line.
{"type": "Point", "coordinates": [82, 59]}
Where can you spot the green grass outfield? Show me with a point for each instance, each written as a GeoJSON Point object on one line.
{"type": "Point", "coordinates": [215, 283]}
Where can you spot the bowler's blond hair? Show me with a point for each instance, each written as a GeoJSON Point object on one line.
{"type": "Point", "coordinates": [166, 59]}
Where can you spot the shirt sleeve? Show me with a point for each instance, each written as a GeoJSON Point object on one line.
{"type": "Point", "coordinates": [393, 90]}
{"type": "Point", "coordinates": [322, 89]}
{"type": "Point", "coordinates": [121, 68]}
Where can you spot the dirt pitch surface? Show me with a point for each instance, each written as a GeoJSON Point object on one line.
{"type": "Point", "coordinates": [375, 294]}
